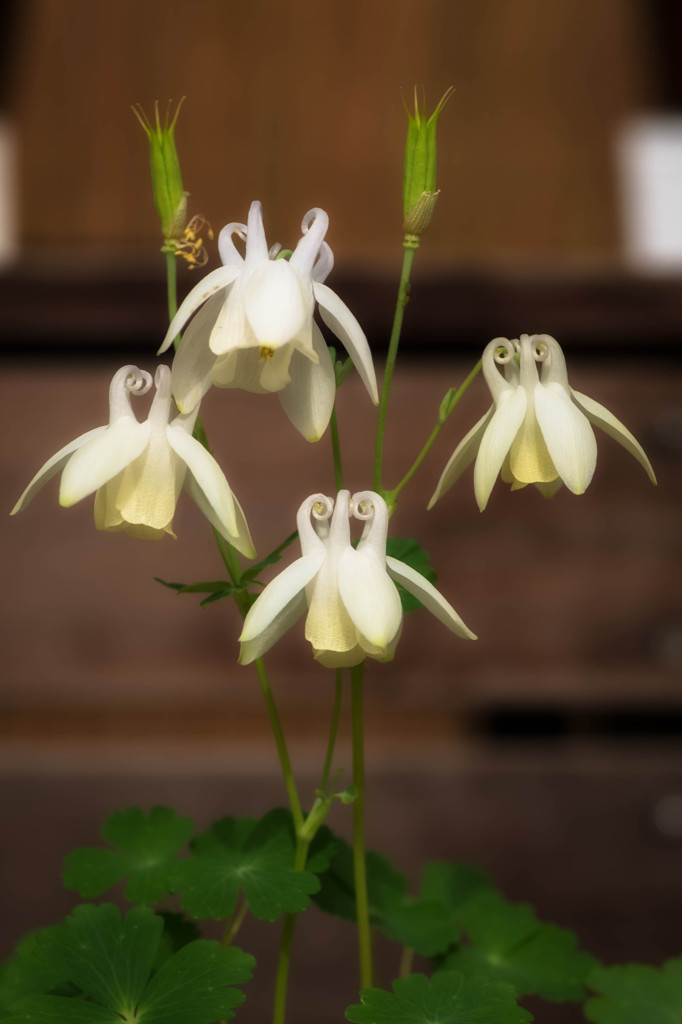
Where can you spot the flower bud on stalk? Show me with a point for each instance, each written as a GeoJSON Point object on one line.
{"type": "Point", "coordinates": [419, 176]}
{"type": "Point", "coordinates": [170, 198]}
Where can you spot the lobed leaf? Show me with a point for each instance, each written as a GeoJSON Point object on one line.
{"type": "Point", "coordinates": [506, 941]}
{"type": "Point", "coordinates": [636, 994]}
{"type": "Point", "coordinates": [147, 847]}
{"type": "Point", "coordinates": [423, 925]}
{"type": "Point", "coordinates": [447, 998]}
{"type": "Point", "coordinates": [255, 857]}
{"type": "Point", "coordinates": [110, 962]}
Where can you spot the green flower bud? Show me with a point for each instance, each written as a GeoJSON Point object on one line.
{"type": "Point", "coordinates": [419, 176]}
{"type": "Point", "coordinates": [170, 198]}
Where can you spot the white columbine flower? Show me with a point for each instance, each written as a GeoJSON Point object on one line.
{"type": "Point", "coordinates": [354, 609]}
{"type": "Point", "coordinates": [254, 328]}
{"type": "Point", "coordinates": [137, 470]}
{"type": "Point", "coordinates": [538, 429]}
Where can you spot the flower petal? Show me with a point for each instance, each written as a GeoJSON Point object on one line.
{"type": "Point", "coordinates": [278, 594]}
{"type": "Point", "coordinates": [314, 227]}
{"type": "Point", "coordinates": [341, 321]}
{"type": "Point", "coordinates": [431, 598]}
{"type": "Point", "coordinates": [568, 435]}
{"type": "Point", "coordinates": [274, 374]}
{"type": "Point", "coordinates": [210, 479]}
{"type": "Point", "coordinates": [601, 417]}
{"type": "Point", "coordinates": [212, 283]}
{"type": "Point", "coordinates": [276, 303]}
{"type": "Point", "coordinates": [53, 465]}
{"type": "Point", "coordinates": [102, 458]}
{"type": "Point", "coordinates": [239, 368]}
{"type": "Point", "coordinates": [463, 455]}
{"type": "Point", "coordinates": [308, 399]}
{"type": "Point", "coordinates": [370, 598]}
{"type": "Point", "coordinates": [193, 361]}
{"type": "Point", "coordinates": [497, 440]}
{"type": "Point", "coordinates": [241, 540]}
{"type": "Point", "coordinates": [145, 493]}
{"type": "Point", "coordinates": [263, 641]}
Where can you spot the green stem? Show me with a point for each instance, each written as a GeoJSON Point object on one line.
{"type": "Point", "coordinates": [282, 979]}
{"type": "Point", "coordinates": [333, 730]}
{"type": "Point", "coordinates": [359, 865]}
{"type": "Point", "coordinates": [392, 495]}
{"type": "Point", "coordinates": [234, 923]}
{"type": "Point", "coordinates": [403, 296]}
{"type": "Point", "coordinates": [406, 962]}
{"type": "Point", "coordinates": [285, 763]}
{"type": "Point", "coordinates": [336, 451]}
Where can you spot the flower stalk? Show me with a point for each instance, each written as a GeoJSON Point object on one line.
{"type": "Point", "coordinates": [401, 303]}
{"type": "Point", "coordinates": [359, 862]}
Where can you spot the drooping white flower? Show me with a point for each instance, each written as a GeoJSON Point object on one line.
{"type": "Point", "coordinates": [137, 470]}
{"type": "Point", "coordinates": [254, 328]}
{"type": "Point", "coordinates": [354, 609]}
{"type": "Point", "coordinates": [538, 429]}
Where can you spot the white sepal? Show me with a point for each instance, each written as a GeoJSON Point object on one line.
{"type": "Point", "coordinates": [341, 321]}
{"type": "Point", "coordinates": [568, 435]}
{"type": "Point", "coordinates": [53, 465]}
{"type": "Point", "coordinates": [308, 400]}
{"type": "Point", "coordinates": [212, 283]}
{"type": "Point", "coordinates": [278, 594]}
{"type": "Point", "coordinates": [463, 455]}
{"type": "Point", "coordinates": [431, 598]}
{"type": "Point", "coordinates": [102, 458]}
{"type": "Point", "coordinates": [497, 440]}
{"type": "Point", "coordinates": [606, 421]}
{"type": "Point", "coordinates": [194, 360]}
{"type": "Point", "coordinates": [369, 597]}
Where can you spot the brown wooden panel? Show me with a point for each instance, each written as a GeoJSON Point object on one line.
{"type": "Point", "coordinates": [300, 105]}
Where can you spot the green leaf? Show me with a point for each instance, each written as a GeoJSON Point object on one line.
{"type": "Point", "coordinates": [177, 932]}
{"type": "Point", "coordinates": [509, 943]}
{"type": "Point", "coordinates": [110, 960]}
{"type": "Point", "coordinates": [56, 1010]}
{"type": "Point", "coordinates": [241, 854]}
{"type": "Point", "coordinates": [636, 994]}
{"type": "Point", "coordinates": [453, 884]}
{"type": "Point", "coordinates": [447, 998]}
{"type": "Point", "coordinates": [423, 925]}
{"type": "Point", "coordinates": [147, 849]}
{"type": "Point", "coordinates": [216, 589]}
{"type": "Point", "coordinates": [190, 988]}
{"type": "Point", "coordinates": [107, 957]}
{"type": "Point", "coordinates": [27, 972]}
{"type": "Point", "coordinates": [412, 553]}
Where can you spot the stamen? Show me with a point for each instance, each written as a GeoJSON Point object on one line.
{"type": "Point", "coordinates": [266, 352]}
{"type": "Point", "coordinates": [191, 245]}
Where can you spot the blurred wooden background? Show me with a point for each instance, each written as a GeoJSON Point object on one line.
{"type": "Point", "coordinates": [300, 104]}
{"type": "Point", "coordinates": [546, 748]}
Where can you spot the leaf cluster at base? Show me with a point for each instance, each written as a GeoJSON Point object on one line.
{"type": "Point", "coordinates": [485, 952]}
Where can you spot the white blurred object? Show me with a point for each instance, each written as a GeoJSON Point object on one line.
{"type": "Point", "coordinates": [9, 200]}
{"type": "Point", "coordinates": [650, 159]}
